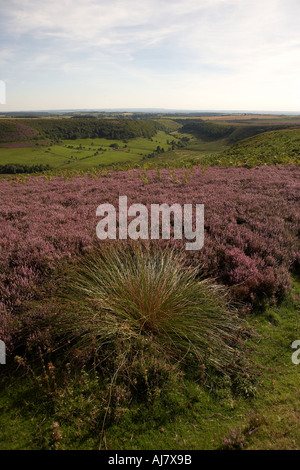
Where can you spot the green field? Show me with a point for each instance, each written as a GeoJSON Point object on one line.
{"type": "Point", "coordinates": [159, 142]}
{"type": "Point", "coordinates": [85, 153]}
{"type": "Point", "coordinates": [82, 154]}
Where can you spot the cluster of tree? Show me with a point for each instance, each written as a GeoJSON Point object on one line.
{"type": "Point", "coordinates": [81, 128]}
{"type": "Point", "coordinates": [156, 152]}
{"type": "Point", "coordinates": [84, 116]}
{"type": "Point", "coordinates": [181, 143]}
{"type": "Point", "coordinates": [14, 168]}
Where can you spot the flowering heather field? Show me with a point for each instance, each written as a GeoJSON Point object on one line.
{"type": "Point", "coordinates": [251, 227]}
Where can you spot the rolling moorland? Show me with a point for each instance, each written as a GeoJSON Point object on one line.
{"type": "Point", "coordinates": [144, 345]}
{"type": "Point", "coordinates": [80, 143]}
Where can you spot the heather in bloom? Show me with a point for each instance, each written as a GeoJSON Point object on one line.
{"type": "Point", "coordinates": [251, 239]}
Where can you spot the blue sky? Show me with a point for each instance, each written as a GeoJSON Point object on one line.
{"type": "Point", "coordinates": [178, 54]}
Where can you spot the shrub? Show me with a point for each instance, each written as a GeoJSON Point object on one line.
{"type": "Point", "coordinates": [238, 438]}
{"type": "Point", "coordinates": [123, 298]}
{"type": "Point", "coordinates": [14, 168]}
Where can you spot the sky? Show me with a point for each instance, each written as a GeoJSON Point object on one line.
{"type": "Point", "coordinates": [174, 54]}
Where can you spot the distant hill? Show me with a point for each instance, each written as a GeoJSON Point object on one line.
{"type": "Point", "coordinates": [270, 148]}
{"type": "Point", "coordinates": [209, 131]}
{"type": "Point", "coordinates": [14, 130]}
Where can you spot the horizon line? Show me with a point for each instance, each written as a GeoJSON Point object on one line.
{"type": "Point", "coordinates": [155, 110]}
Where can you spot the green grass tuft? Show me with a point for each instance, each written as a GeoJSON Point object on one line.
{"type": "Point", "coordinates": [125, 296]}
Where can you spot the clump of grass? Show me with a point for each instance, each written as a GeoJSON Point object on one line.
{"type": "Point", "coordinates": [128, 298]}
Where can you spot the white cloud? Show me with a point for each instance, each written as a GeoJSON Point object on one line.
{"type": "Point", "coordinates": [234, 45]}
